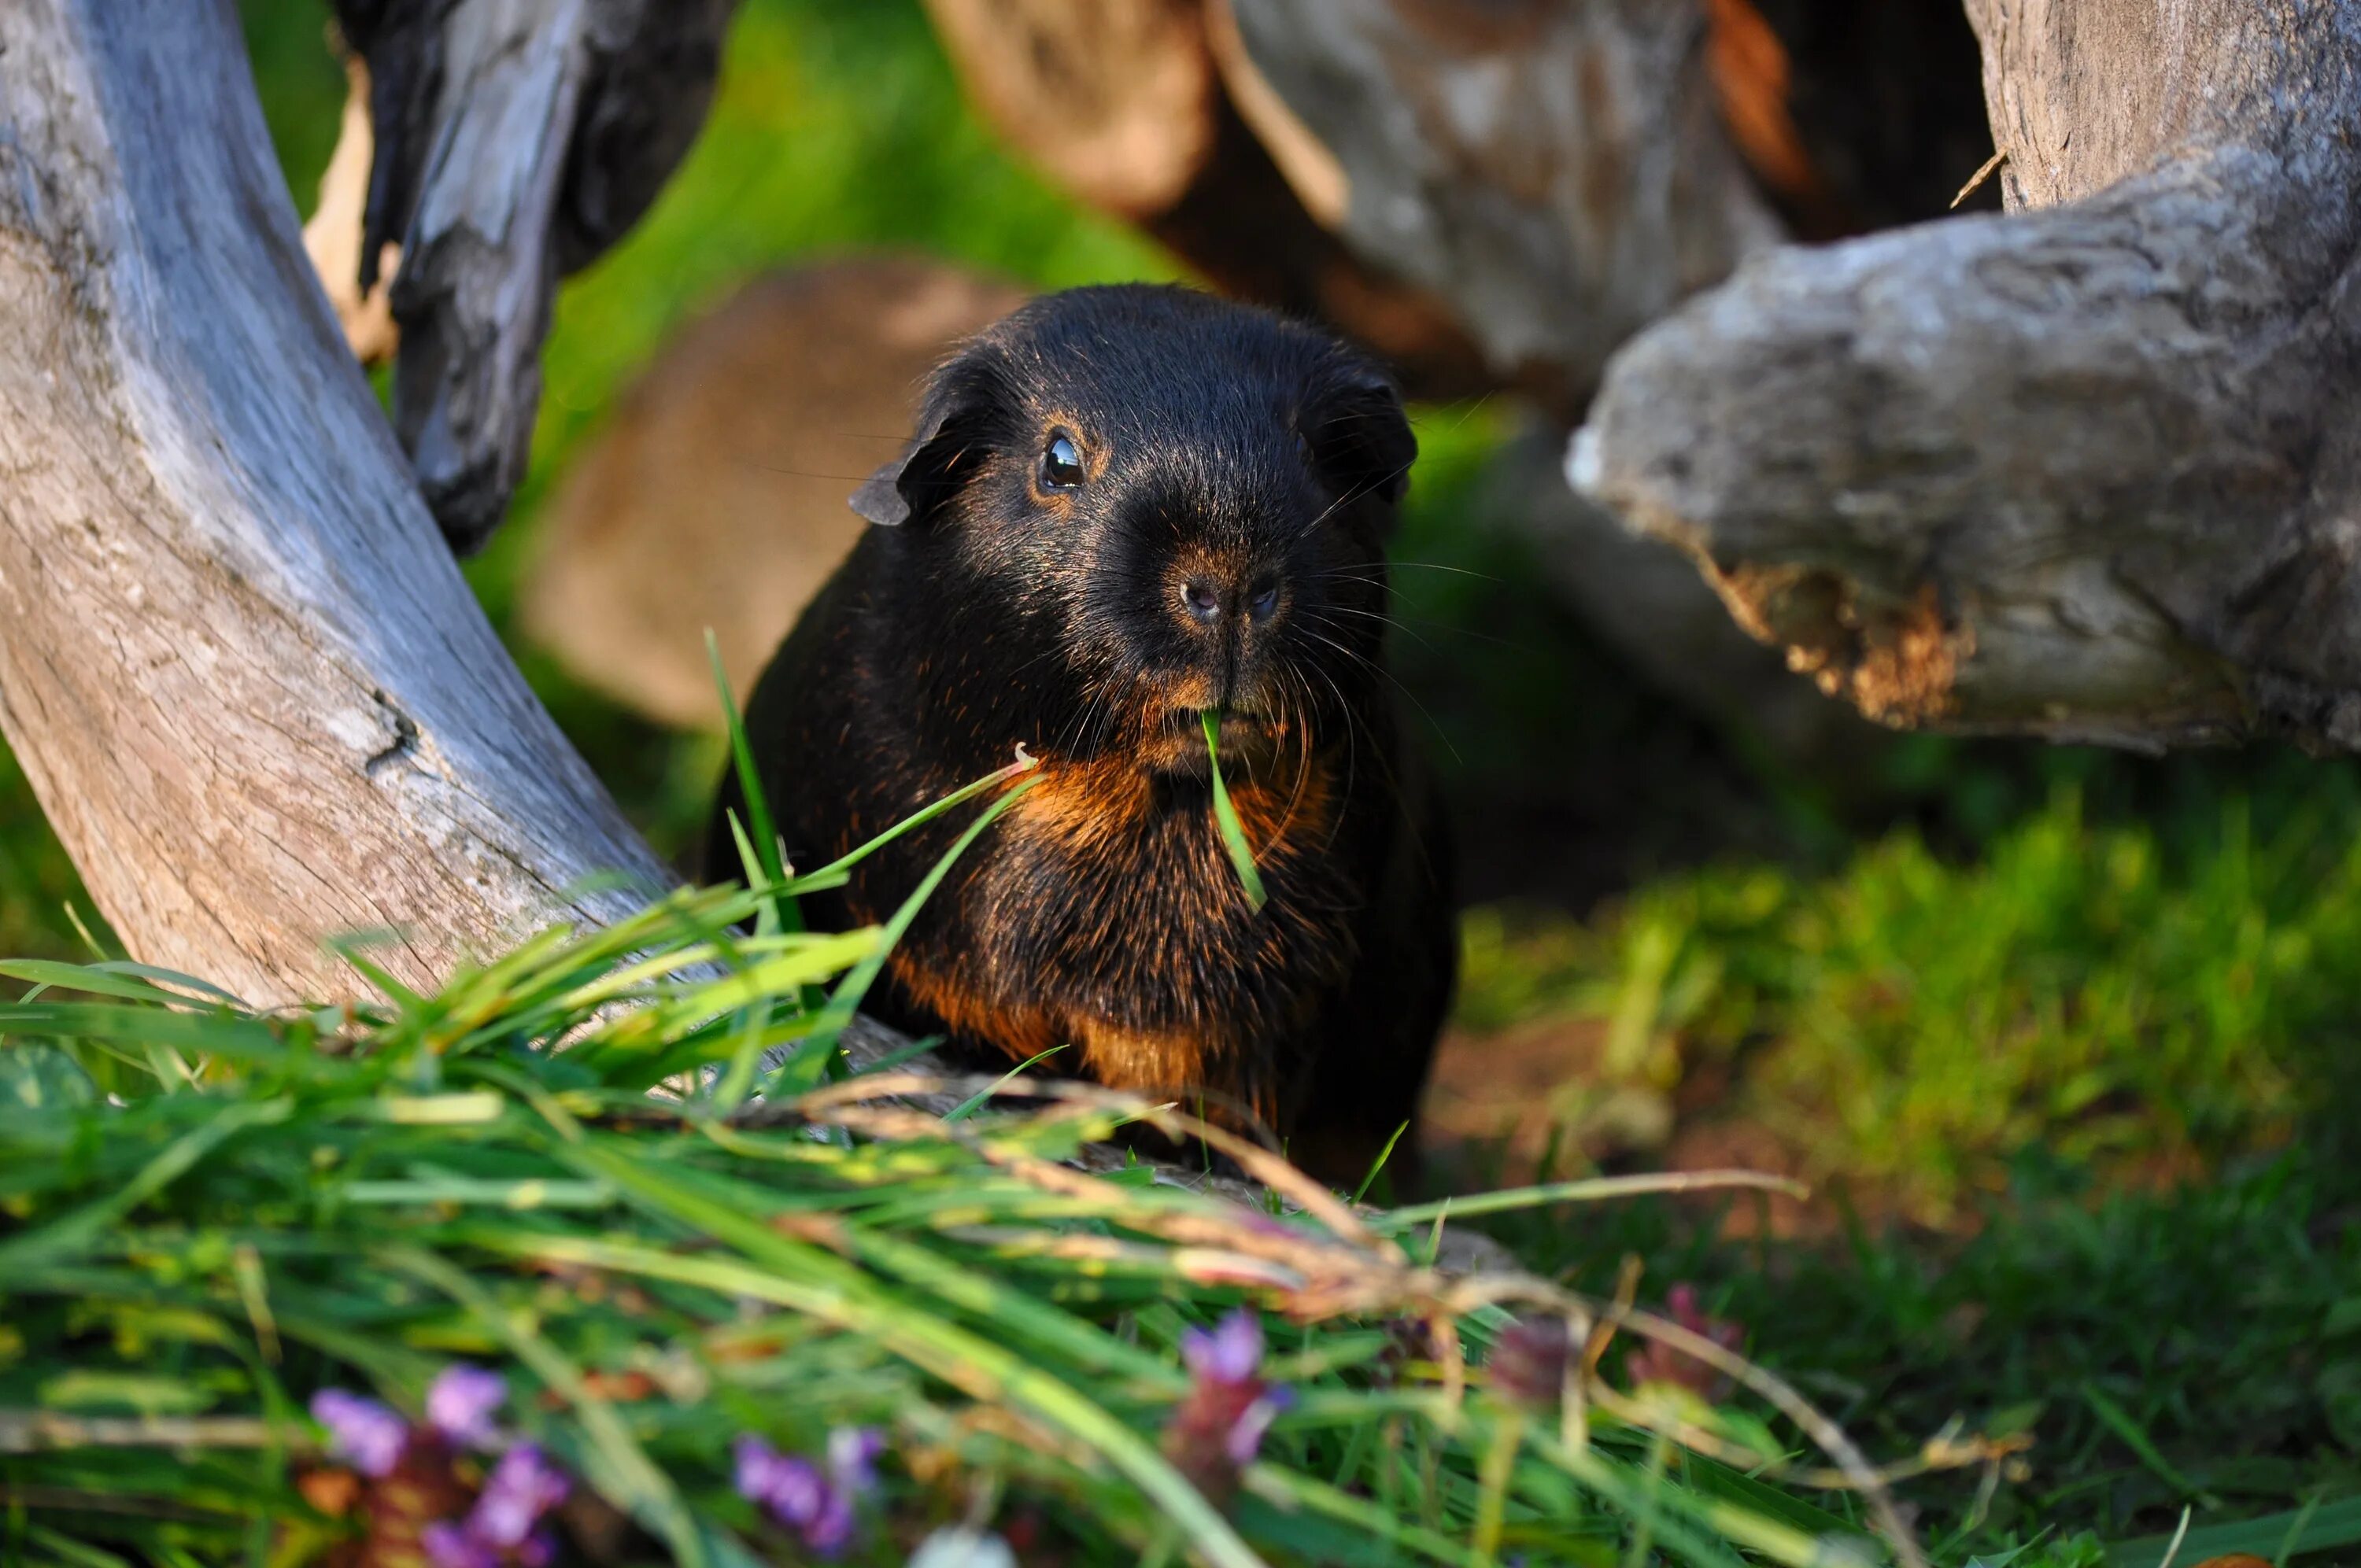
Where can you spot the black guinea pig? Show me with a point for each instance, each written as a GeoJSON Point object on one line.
{"type": "Point", "coordinates": [1123, 507]}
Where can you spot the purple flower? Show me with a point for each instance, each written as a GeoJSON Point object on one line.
{"type": "Point", "coordinates": [1217, 1429]}
{"type": "Point", "coordinates": [450, 1545]}
{"type": "Point", "coordinates": [522, 1488]}
{"type": "Point", "coordinates": [793, 1489]}
{"type": "Point", "coordinates": [853, 1458]}
{"type": "Point", "coordinates": [818, 1505]}
{"type": "Point", "coordinates": [1232, 1353]}
{"type": "Point", "coordinates": [461, 1403]}
{"type": "Point", "coordinates": [1244, 1440]}
{"type": "Point", "coordinates": [369, 1435]}
{"type": "Point", "coordinates": [538, 1551]}
{"type": "Point", "coordinates": [830, 1531]}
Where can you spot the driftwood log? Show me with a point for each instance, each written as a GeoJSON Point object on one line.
{"type": "Point", "coordinates": [2090, 470]}
{"type": "Point", "coordinates": [1560, 173]}
{"type": "Point", "coordinates": [236, 660]}
{"type": "Point", "coordinates": [1136, 109]}
{"type": "Point", "coordinates": [514, 140]}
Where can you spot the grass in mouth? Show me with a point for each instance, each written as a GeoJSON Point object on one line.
{"type": "Point", "coordinates": [1225, 816]}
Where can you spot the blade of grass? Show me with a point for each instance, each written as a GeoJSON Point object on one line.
{"type": "Point", "coordinates": [749, 784]}
{"type": "Point", "coordinates": [1225, 816]}
{"type": "Point", "coordinates": [1378, 1164]}
{"type": "Point", "coordinates": [1589, 1189]}
{"type": "Point", "coordinates": [807, 1067]}
{"type": "Point", "coordinates": [2329, 1524]}
{"type": "Point", "coordinates": [1024, 763]}
{"type": "Point", "coordinates": [2116, 1420]}
{"type": "Point", "coordinates": [968, 1107]}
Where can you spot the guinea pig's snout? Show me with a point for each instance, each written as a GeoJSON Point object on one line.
{"type": "Point", "coordinates": [1212, 599]}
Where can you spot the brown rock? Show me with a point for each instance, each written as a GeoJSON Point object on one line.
{"type": "Point", "coordinates": [716, 497]}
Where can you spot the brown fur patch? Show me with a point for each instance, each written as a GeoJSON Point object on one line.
{"type": "Point", "coordinates": [1096, 810]}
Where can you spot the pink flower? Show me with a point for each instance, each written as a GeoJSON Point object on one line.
{"type": "Point", "coordinates": [1529, 1360]}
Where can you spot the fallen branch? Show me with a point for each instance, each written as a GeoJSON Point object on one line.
{"type": "Point", "coordinates": [515, 141]}
{"type": "Point", "coordinates": [239, 667]}
{"type": "Point", "coordinates": [2085, 471]}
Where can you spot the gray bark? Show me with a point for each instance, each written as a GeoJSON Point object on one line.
{"type": "Point", "coordinates": [1645, 600]}
{"type": "Point", "coordinates": [2088, 470]}
{"type": "Point", "coordinates": [237, 662]}
{"type": "Point", "coordinates": [515, 140]}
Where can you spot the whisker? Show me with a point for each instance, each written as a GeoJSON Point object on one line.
{"type": "Point", "coordinates": [1433, 723]}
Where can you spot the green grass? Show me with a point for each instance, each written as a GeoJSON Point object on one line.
{"type": "Point", "coordinates": [1915, 1024]}
{"type": "Point", "coordinates": [37, 881]}
{"type": "Point", "coordinates": [213, 1215]}
{"type": "Point", "coordinates": [2199, 1347]}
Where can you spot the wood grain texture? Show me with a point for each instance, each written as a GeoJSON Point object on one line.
{"type": "Point", "coordinates": [2088, 470]}
{"type": "Point", "coordinates": [236, 660]}
{"type": "Point", "coordinates": [515, 140]}
{"type": "Point", "coordinates": [1560, 173]}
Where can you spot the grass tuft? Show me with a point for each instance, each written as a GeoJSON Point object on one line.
{"type": "Point", "coordinates": [360, 1197]}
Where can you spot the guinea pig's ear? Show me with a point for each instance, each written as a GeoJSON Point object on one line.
{"type": "Point", "coordinates": [1361, 438]}
{"type": "Point", "coordinates": [948, 444]}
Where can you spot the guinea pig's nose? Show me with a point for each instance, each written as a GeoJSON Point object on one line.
{"type": "Point", "coordinates": [1203, 599]}
{"type": "Point", "coordinates": [1262, 597]}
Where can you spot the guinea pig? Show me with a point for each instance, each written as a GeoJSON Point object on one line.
{"type": "Point", "coordinates": [1122, 508]}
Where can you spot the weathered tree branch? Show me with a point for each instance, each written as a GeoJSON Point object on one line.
{"type": "Point", "coordinates": [515, 140]}
{"type": "Point", "coordinates": [238, 664]}
{"type": "Point", "coordinates": [334, 234]}
{"type": "Point", "coordinates": [1143, 117]}
{"type": "Point", "coordinates": [1560, 173]}
{"type": "Point", "coordinates": [2087, 471]}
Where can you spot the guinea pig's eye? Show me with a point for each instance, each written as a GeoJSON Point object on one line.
{"type": "Point", "coordinates": [1304, 446]}
{"type": "Point", "coordinates": [1061, 464]}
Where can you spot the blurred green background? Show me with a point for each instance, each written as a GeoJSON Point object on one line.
{"type": "Point", "coordinates": [2068, 1034]}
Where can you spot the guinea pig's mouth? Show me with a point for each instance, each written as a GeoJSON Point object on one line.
{"type": "Point", "coordinates": [1235, 725]}
{"type": "Point", "coordinates": [1176, 743]}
